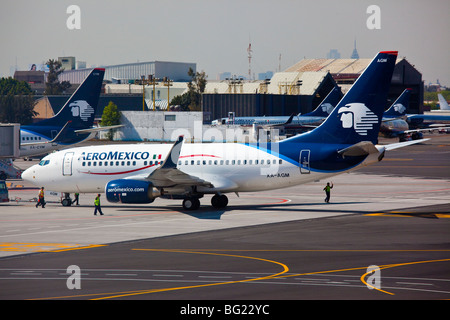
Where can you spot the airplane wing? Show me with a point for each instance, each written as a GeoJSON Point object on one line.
{"type": "Point", "coordinates": [90, 130]}
{"type": "Point", "coordinates": [169, 176]}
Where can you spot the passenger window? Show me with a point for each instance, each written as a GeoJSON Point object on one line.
{"type": "Point", "coordinates": [123, 163]}
{"type": "Point", "coordinates": [89, 164]}
{"type": "Point", "coordinates": [111, 163]}
{"type": "Point", "coordinates": [280, 161]}
{"type": "Point", "coordinates": [83, 164]}
{"type": "Point", "coordinates": [117, 163]}
{"type": "Point", "coordinates": [128, 163]}
{"type": "Point", "coordinates": [134, 163]}
{"type": "Point", "coordinates": [100, 163]}
{"type": "Point", "coordinates": [94, 163]}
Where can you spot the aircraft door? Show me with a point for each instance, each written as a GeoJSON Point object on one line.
{"type": "Point", "coordinates": [304, 161]}
{"type": "Point", "coordinates": [67, 164]}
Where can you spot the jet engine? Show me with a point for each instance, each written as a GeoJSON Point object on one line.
{"type": "Point", "coordinates": [131, 191]}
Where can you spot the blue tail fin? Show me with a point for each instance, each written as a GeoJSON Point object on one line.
{"type": "Point", "coordinates": [327, 105]}
{"type": "Point", "coordinates": [81, 107]}
{"type": "Point", "coordinates": [399, 107]}
{"type": "Point", "coordinates": [358, 115]}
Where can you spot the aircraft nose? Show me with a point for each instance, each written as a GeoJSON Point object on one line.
{"type": "Point", "coordinates": [28, 174]}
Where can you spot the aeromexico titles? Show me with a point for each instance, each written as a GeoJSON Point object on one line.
{"type": "Point", "coordinates": [140, 173]}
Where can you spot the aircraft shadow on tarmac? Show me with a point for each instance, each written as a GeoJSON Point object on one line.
{"type": "Point", "coordinates": [208, 212]}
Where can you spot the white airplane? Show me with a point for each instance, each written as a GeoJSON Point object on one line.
{"type": "Point", "coordinates": [139, 173]}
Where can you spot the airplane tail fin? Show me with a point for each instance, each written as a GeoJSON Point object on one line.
{"type": "Point", "coordinates": [327, 105]}
{"type": "Point", "coordinates": [399, 107]}
{"type": "Point", "coordinates": [443, 105]}
{"type": "Point", "coordinates": [358, 115]}
{"type": "Point", "coordinates": [81, 107]}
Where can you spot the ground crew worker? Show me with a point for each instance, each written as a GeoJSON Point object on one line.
{"type": "Point", "coordinates": [327, 191]}
{"type": "Point", "coordinates": [41, 198]}
{"type": "Point", "coordinates": [77, 195]}
{"type": "Point", "coordinates": [97, 205]}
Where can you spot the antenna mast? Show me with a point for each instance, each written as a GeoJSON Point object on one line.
{"type": "Point", "coordinates": [249, 51]}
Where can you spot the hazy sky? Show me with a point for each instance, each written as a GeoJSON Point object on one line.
{"type": "Point", "coordinates": [215, 34]}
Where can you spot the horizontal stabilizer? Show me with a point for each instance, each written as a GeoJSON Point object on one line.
{"type": "Point", "coordinates": [90, 130]}
{"type": "Point", "coordinates": [393, 146]}
{"type": "Point", "coordinates": [362, 148]}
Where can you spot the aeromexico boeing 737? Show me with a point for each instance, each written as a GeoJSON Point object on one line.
{"type": "Point", "coordinates": [139, 173]}
{"type": "Point", "coordinates": [70, 126]}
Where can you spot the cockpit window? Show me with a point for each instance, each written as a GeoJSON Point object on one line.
{"type": "Point", "coordinates": [44, 162]}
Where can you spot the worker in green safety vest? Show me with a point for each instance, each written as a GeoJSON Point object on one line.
{"type": "Point", "coordinates": [97, 205]}
{"type": "Point", "coordinates": [328, 191]}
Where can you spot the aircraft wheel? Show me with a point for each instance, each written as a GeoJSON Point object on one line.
{"type": "Point", "coordinates": [191, 204]}
{"type": "Point", "coordinates": [219, 201]}
{"type": "Point", "coordinates": [66, 202]}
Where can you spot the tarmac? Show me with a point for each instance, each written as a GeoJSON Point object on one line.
{"type": "Point", "coordinates": [282, 244]}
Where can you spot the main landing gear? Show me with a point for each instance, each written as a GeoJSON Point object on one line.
{"type": "Point", "coordinates": [67, 201]}
{"type": "Point", "coordinates": [217, 201]}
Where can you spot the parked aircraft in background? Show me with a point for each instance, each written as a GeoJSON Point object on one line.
{"type": "Point", "coordinates": [396, 123]}
{"type": "Point", "coordinates": [71, 125]}
{"type": "Point", "coordinates": [315, 117]}
{"type": "Point", "coordinates": [140, 173]}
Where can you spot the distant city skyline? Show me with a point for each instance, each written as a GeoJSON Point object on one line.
{"type": "Point", "coordinates": [216, 34]}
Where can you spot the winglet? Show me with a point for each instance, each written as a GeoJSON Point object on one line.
{"type": "Point", "coordinates": [172, 158]}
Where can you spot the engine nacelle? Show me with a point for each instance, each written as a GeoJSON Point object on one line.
{"type": "Point", "coordinates": [131, 191]}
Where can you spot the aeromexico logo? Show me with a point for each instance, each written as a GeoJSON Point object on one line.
{"type": "Point", "coordinates": [399, 108]}
{"type": "Point", "coordinates": [82, 109]}
{"type": "Point", "coordinates": [358, 117]}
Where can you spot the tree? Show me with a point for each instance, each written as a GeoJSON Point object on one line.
{"type": "Point", "coordinates": [16, 101]}
{"type": "Point", "coordinates": [192, 100]}
{"type": "Point", "coordinates": [110, 117]}
{"type": "Point", "coordinates": [53, 86]}
{"type": "Point", "coordinates": [195, 89]}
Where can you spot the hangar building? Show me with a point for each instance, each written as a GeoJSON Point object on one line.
{"type": "Point", "coordinates": [346, 71]}
{"type": "Point", "coordinates": [176, 71]}
{"type": "Point", "coordinates": [286, 93]}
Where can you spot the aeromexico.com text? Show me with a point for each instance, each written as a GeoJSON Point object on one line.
{"type": "Point", "coordinates": [115, 155]}
{"type": "Point", "coordinates": [125, 189]}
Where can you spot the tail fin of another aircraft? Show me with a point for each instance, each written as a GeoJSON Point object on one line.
{"type": "Point", "coordinates": [327, 105]}
{"type": "Point", "coordinates": [358, 115]}
{"type": "Point", "coordinates": [443, 105]}
{"type": "Point", "coordinates": [399, 107]}
{"type": "Point", "coordinates": [81, 107]}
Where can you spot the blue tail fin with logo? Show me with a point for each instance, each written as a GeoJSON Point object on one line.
{"type": "Point", "coordinates": [399, 107]}
{"type": "Point", "coordinates": [358, 115]}
{"type": "Point", "coordinates": [327, 105]}
{"type": "Point", "coordinates": [81, 107]}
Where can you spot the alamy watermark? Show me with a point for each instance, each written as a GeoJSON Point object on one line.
{"type": "Point", "coordinates": [374, 20]}
{"type": "Point", "coordinates": [74, 280]}
{"type": "Point", "coordinates": [73, 22]}
{"type": "Point", "coordinates": [374, 279]}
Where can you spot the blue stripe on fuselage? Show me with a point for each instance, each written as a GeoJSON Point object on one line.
{"type": "Point", "coordinates": [323, 158]}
